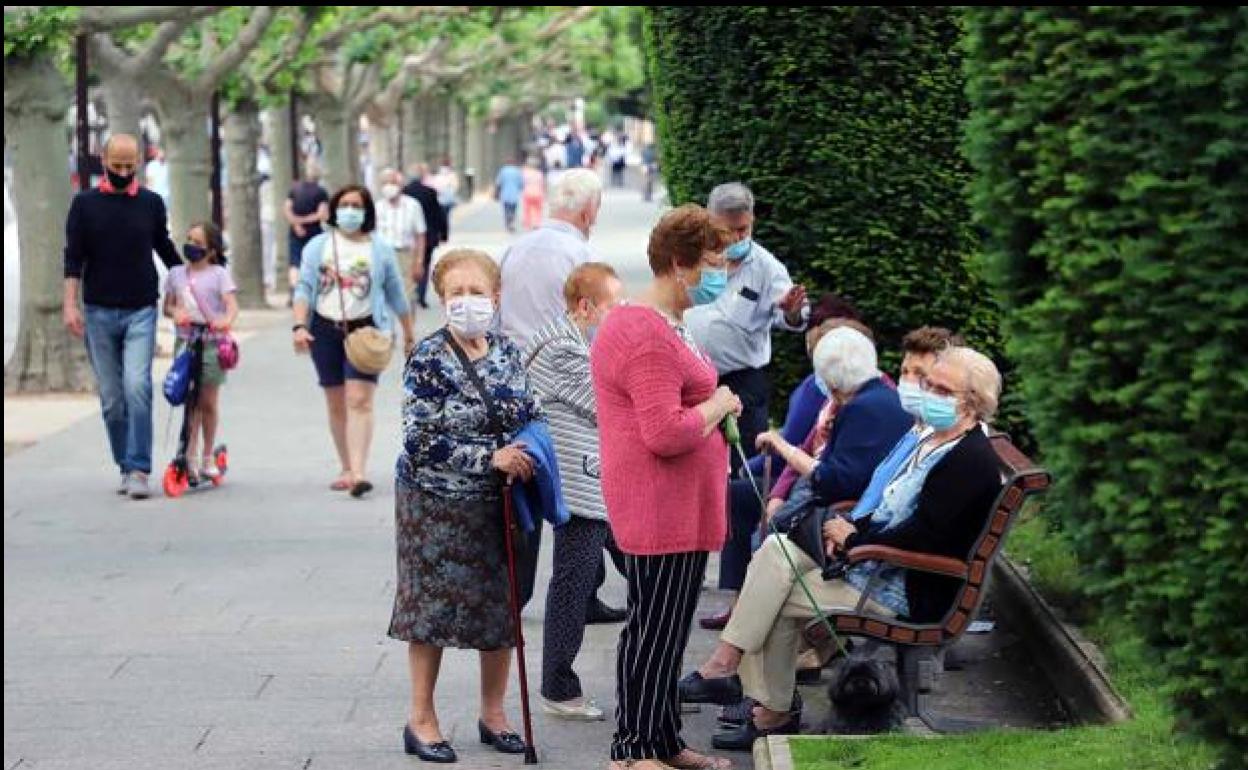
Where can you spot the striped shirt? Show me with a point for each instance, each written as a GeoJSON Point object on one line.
{"type": "Point", "coordinates": [399, 225]}
{"type": "Point", "coordinates": [557, 360]}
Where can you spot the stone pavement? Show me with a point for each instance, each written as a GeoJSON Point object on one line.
{"type": "Point", "coordinates": [244, 627]}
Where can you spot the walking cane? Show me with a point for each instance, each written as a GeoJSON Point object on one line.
{"type": "Point", "coordinates": [509, 521]}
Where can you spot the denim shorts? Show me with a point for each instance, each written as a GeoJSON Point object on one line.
{"type": "Point", "coordinates": [329, 354]}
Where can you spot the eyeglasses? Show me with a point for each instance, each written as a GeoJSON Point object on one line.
{"type": "Point", "coordinates": [938, 390]}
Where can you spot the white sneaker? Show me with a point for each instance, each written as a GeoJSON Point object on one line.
{"type": "Point", "coordinates": [137, 486]}
{"type": "Point", "coordinates": [583, 711]}
{"type": "Point", "coordinates": [208, 468]}
{"type": "Point", "coordinates": [124, 486]}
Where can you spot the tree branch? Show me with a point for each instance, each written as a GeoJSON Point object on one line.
{"type": "Point", "coordinates": [166, 34]}
{"type": "Point", "coordinates": [392, 16]}
{"type": "Point", "coordinates": [108, 53]}
{"type": "Point", "coordinates": [303, 27]}
{"type": "Point", "coordinates": [237, 50]}
{"type": "Point", "coordinates": [413, 66]}
{"type": "Point", "coordinates": [98, 18]}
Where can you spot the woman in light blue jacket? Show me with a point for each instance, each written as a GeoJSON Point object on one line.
{"type": "Point", "coordinates": [348, 279]}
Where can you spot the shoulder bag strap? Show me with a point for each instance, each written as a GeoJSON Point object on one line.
{"type": "Point", "coordinates": [342, 301]}
{"type": "Point", "coordinates": [199, 302]}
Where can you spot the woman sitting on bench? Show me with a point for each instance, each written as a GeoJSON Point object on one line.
{"type": "Point", "coordinates": [937, 503]}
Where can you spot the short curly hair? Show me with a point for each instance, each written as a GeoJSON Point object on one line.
{"type": "Point", "coordinates": [457, 258]}
{"type": "Point", "coordinates": [682, 236]}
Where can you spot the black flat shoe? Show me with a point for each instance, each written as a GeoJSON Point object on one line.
{"type": "Point", "coordinates": [599, 612]}
{"type": "Point", "coordinates": [429, 752]}
{"type": "Point", "coordinates": [742, 738]}
{"type": "Point", "coordinates": [505, 742]}
{"type": "Point", "coordinates": [361, 488]}
{"type": "Point", "coordinates": [740, 713]}
{"type": "Point", "coordinates": [719, 690]}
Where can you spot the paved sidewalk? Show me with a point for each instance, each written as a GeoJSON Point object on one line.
{"type": "Point", "coordinates": [245, 627]}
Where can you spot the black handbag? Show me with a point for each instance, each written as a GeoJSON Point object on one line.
{"type": "Point", "coordinates": [806, 532]}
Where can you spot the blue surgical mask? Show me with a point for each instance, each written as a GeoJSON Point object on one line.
{"type": "Point", "coordinates": [193, 252]}
{"type": "Point", "coordinates": [911, 398]}
{"type": "Point", "coordinates": [822, 386]}
{"type": "Point", "coordinates": [940, 412]}
{"type": "Point", "coordinates": [739, 250]}
{"type": "Point", "coordinates": [711, 284]}
{"type": "Point", "coordinates": [350, 219]}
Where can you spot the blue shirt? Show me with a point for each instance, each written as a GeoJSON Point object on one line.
{"type": "Point", "coordinates": [735, 330]}
{"type": "Point", "coordinates": [510, 184]}
{"type": "Point", "coordinates": [897, 504]}
{"type": "Point", "coordinates": [884, 473]}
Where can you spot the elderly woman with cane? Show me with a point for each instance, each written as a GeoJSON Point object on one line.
{"type": "Point", "coordinates": [664, 479]}
{"type": "Point", "coordinates": [466, 394]}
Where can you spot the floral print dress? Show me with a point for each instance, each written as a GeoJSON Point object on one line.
{"type": "Point", "coordinates": [452, 564]}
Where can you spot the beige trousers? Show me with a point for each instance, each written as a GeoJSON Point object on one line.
{"type": "Point", "coordinates": [769, 616]}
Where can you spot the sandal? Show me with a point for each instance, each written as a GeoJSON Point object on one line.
{"type": "Point", "coordinates": [638, 764]}
{"type": "Point", "coordinates": [688, 759]}
{"type": "Point", "coordinates": [342, 483]}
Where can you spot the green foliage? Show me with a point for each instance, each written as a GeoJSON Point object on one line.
{"type": "Point", "coordinates": [845, 122]}
{"type": "Point", "coordinates": [34, 31]}
{"type": "Point", "coordinates": [1111, 145]}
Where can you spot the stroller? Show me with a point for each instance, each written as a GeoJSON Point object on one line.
{"type": "Point", "coordinates": [178, 478]}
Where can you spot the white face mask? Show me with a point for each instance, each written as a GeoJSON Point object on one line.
{"type": "Point", "coordinates": [471, 316]}
{"type": "Point", "coordinates": [391, 191]}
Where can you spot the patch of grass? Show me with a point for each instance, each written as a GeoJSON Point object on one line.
{"type": "Point", "coordinates": [1148, 742]}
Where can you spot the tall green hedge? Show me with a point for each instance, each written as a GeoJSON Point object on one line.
{"type": "Point", "coordinates": [1111, 146]}
{"type": "Point", "coordinates": [845, 122]}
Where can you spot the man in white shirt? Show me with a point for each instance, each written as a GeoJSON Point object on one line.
{"type": "Point", "coordinates": [536, 266]}
{"type": "Point", "coordinates": [401, 223]}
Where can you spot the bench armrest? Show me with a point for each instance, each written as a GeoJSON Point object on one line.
{"type": "Point", "coordinates": [924, 562]}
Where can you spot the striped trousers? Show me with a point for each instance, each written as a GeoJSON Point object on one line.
{"type": "Point", "coordinates": [662, 596]}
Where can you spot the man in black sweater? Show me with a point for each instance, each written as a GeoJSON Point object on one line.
{"type": "Point", "coordinates": [110, 235]}
{"type": "Point", "coordinates": [435, 221]}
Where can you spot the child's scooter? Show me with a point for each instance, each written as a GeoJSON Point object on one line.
{"type": "Point", "coordinates": [178, 479]}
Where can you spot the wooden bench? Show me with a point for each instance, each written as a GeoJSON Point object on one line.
{"type": "Point", "coordinates": [920, 647]}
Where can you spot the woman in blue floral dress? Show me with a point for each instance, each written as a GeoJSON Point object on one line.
{"type": "Point", "coordinates": [452, 566]}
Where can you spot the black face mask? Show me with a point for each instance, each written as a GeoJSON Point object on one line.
{"type": "Point", "coordinates": [193, 252]}
{"type": "Point", "coordinates": [118, 181]}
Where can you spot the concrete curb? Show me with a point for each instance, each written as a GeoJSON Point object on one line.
{"type": "Point", "coordinates": [1071, 662]}
{"type": "Point", "coordinates": [772, 753]}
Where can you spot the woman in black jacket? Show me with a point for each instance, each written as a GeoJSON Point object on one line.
{"type": "Point", "coordinates": [936, 502]}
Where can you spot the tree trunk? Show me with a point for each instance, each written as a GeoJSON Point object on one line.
{"type": "Point", "coordinates": [381, 148]}
{"type": "Point", "coordinates": [123, 98]}
{"type": "Point", "coordinates": [415, 147]}
{"type": "Point", "coordinates": [184, 128]}
{"type": "Point", "coordinates": [474, 160]}
{"type": "Point", "coordinates": [242, 204]}
{"type": "Point", "coordinates": [46, 357]}
{"type": "Point", "coordinates": [435, 128]}
{"type": "Point", "coordinates": [281, 179]}
{"type": "Point", "coordinates": [458, 134]}
{"type": "Point", "coordinates": [337, 135]}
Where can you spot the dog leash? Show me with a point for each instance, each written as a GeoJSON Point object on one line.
{"type": "Point", "coordinates": [732, 433]}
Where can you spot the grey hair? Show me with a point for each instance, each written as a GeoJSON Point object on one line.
{"type": "Point", "coordinates": [982, 379]}
{"type": "Point", "coordinates": [731, 198]}
{"type": "Point", "coordinates": [845, 358]}
{"type": "Point", "coordinates": [577, 190]}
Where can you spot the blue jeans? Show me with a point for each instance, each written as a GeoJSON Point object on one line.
{"type": "Point", "coordinates": [121, 343]}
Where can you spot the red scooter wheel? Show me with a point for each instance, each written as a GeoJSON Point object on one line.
{"type": "Point", "coordinates": [175, 482]}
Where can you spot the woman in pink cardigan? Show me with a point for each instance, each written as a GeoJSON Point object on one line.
{"type": "Point", "coordinates": [664, 478]}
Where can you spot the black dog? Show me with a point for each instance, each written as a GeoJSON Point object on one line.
{"type": "Point", "coordinates": [863, 693]}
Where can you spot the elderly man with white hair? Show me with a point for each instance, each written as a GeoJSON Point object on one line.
{"type": "Point", "coordinates": [937, 502]}
{"type": "Point", "coordinates": [401, 223]}
{"type": "Point", "coordinates": [734, 327]}
{"type": "Point", "coordinates": [538, 264]}
{"type": "Point", "coordinates": [535, 269]}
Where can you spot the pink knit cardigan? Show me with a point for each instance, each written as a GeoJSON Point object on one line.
{"type": "Point", "coordinates": [663, 481]}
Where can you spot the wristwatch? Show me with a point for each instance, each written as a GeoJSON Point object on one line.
{"type": "Point", "coordinates": [297, 327]}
